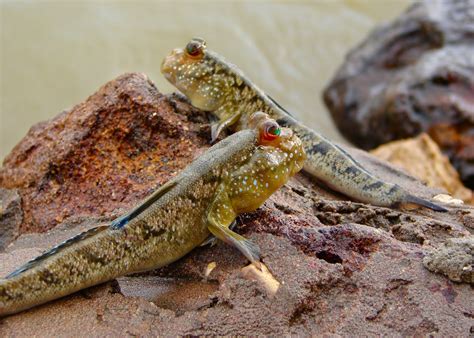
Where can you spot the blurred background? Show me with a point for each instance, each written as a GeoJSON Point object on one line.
{"type": "Point", "coordinates": [54, 54]}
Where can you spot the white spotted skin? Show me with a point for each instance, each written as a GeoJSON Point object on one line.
{"type": "Point", "coordinates": [164, 231]}
{"type": "Point", "coordinates": [269, 168]}
{"type": "Point", "coordinates": [231, 93]}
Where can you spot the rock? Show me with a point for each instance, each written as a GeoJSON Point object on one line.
{"type": "Point", "coordinates": [422, 158]}
{"type": "Point", "coordinates": [343, 268]}
{"type": "Point", "coordinates": [448, 199]}
{"type": "Point", "coordinates": [410, 76]}
{"type": "Point", "coordinates": [344, 279]}
{"type": "Point", "coordinates": [103, 155]}
{"type": "Point", "coordinates": [458, 143]}
{"type": "Point", "coordinates": [11, 216]}
{"type": "Point", "coordinates": [454, 259]}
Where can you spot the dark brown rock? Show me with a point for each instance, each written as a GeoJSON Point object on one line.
{"type": "Point", "coordinates": [410, 76]}
{"type": "Point", "coordinates": [345, 268]}
{"type": "Point", "coordinates": [457, 141]}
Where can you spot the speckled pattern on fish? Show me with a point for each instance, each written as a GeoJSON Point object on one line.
{"type": "Point", "coordinates": [213, 84]}
{"type": "Point", "coordinates": [234, 176]}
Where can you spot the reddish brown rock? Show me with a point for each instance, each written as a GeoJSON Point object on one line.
{"type": "Point", "coordinates": [104, 154]}
{"type": "Point", "coordinates": [344, 268]}
{"type": "Point", "coordinates": [409, 76]}
{"type": "Point", "coordinates": [344, 279]}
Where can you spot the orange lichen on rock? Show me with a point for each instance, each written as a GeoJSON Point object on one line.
{"type": "Point", "coordinates": [422, 158]}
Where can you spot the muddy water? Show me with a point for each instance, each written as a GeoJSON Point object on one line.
{"type": "Point", "coordinates": [54, 54]}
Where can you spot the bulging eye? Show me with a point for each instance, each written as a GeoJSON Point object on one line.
{"type": "Point", "coordinates": [271, 130]}
{"type": "Point", "coordinates": [194, 48]}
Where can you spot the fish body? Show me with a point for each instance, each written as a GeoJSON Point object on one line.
{"type": "Point", "coordinates": [213, 84]}
{"type": "Point", "coordinates": [235, 175]}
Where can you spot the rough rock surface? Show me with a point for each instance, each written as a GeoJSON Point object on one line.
{"type": "Point", "coordinates": [345, 268]}
{"type": "Point", "coordinates": [413, 75]}
{"type": "Point", "coordinates": [455, 259]}
{"type": "Point", "coordinates": [421, 157]}
{"type": "Point", "coordinates": [11, 216]}
{"type": "Point", "coordinates": [457, 141]}
{"type": "Point", "coordinates": [103, 154]}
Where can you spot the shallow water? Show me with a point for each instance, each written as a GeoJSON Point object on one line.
{"type": "Point", "coordinates": [55, 54]}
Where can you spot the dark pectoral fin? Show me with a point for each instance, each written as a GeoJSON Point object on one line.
{"type": "Point", "coordinates": [121, 221]}
{"type": "Point", "coordinates": [211, 241]}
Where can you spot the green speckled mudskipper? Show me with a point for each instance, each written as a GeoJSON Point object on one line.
{"type": "Point", "coordinates": [213, 84]}
{"type": "Point", "coordinates": [235, 175]}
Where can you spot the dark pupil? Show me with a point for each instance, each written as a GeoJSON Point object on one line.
{"type": "Point", "coordinates": [274, 130]}
{"type": "Point", "coordinates": [193, 49]}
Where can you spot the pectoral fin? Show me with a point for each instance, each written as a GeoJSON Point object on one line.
{"type": "Point", "coordinates": [220, 216]}
{"type": "Point", "coordinates": [218, 127]}
{"type": "Point", "coordinates": [246, 247]}
{"type": "Point", "coordinates": [212, 240]}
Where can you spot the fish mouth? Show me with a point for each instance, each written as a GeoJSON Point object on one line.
{"type": "Point", "coordinates": [166, 69]}
{"type": "Point", "coordinates": [167, 65]}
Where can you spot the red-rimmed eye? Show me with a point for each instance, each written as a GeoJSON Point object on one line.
{"type": "Point", "coordinates": [194, 48]}
{"type": "Point", "coordinates": [271, 130]}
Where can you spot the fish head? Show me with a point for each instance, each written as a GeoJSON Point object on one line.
{"type": "Point", "coordinates": [280, 142]}
{"type": "Point", "coordinates": [193, 71]}
{"type": "Point", "coordinates": [279, 154]}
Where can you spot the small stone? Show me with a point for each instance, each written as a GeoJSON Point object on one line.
{"type": "Point", "coordinates": [262, 276]}
{"type": "Point", "coordinates": [443, 198]}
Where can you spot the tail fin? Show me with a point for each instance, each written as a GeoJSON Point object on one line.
{"type": "Point", "coordinates": [425, 203]}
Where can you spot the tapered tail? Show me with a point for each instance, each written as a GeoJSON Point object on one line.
{"type": "Point", "coordinates": [425, 203]}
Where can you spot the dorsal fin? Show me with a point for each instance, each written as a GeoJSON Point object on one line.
{"type": "Point", "coordinates": [279, 105]}
{"type": "Point", "coordinates": [58, 248]}
{"type": "Point", "coordinates": [121, 221]}
{"type": "Point", "coordinates": [219, 126]}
